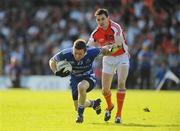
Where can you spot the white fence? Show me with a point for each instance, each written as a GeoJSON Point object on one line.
{"type": "Point", "coordinates": [4, 82]}
{"type": "Point", "coordinates": [38, 82]}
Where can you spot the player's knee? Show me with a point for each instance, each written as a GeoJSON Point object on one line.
{"type": "Point", "coordinates": [121, 84]}
{"type": "Point", "coordinates": [82, 86]}
{"type": "Point", "coordinates": [106, 92]}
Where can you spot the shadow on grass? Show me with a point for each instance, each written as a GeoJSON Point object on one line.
{"type": "Point", "coordinates": [150, 125]}
{"type": "Point", "coordinates": [137, 125]}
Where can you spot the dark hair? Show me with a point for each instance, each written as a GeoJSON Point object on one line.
{"type": "Point", "coordinates": [102, 11]}
{"type": "Point", "coordinates": [80, 44]}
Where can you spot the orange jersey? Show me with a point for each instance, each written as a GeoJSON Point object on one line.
{"type": "Point", "coordinates": [103, 37]}
{"type": "Point", "coordinates": [113, 34]}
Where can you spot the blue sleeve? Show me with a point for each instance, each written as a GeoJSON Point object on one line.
{"type": "Point", "coordinates": [63, 55]}
{"type": "Point", "coordinates": [59, 57]}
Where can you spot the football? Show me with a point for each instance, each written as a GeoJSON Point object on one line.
{"type": "Point", "coordinates": [64, 64]}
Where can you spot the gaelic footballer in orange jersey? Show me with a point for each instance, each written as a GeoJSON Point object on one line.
{"type": "Point", "coordinates": [110, 33]}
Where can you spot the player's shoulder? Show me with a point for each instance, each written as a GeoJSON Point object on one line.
{"type": "Point", "coordinates": [115, 25]}
{"type": "Point", "coordinates": [95, 31]}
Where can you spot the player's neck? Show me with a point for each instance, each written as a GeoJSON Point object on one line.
{"type": "Point", "coordinates": [106, 27]}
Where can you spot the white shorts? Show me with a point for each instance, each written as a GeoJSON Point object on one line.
{"type": "Point", "coordinates": [111, 63]}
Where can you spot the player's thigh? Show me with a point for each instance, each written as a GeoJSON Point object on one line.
{"type": "Point", "coordinates": [123, 68]}
{"type": "Point", "coordinates": [108, 65]}
{"type": "Point", "coordinates": [106, 80]}
{"type": "Point", "coordinates": [92, 82]}
{"type": "Point", "coordinates": [122, 71]}
{"type": "Point", "coordinates": [107, 72]}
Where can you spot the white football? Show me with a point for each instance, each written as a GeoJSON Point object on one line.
{"type": "Point", "coordinates": [64, 64]}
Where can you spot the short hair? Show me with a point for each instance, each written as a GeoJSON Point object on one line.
{"type": "Point", "coordinates": [80, 44]}
{"type": "Point", "coordinates": [102, 11]}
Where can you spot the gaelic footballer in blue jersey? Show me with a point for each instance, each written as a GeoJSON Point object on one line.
{"type": "Point", "coordinates": [82, 79]}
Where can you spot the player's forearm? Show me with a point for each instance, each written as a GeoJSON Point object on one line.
{"type": "Point", "coordinates": [119, 39]}
{"type": "Point", "coordinates": [52, 65]}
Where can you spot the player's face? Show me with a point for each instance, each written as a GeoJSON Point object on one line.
{"type": "Point", "coordinates": [102, 21]}
{"type": "Point", "coordinates": [78, 54]}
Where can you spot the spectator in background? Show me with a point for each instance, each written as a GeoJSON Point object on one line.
{"type": "Point", "coordinates": [132, 77]}
{"type": "Point", "coordinates": [14, 73]}
{"type": "Point", "coordinates": [160, 72]}
{"type": "Point", "coordinates": [144, 58]}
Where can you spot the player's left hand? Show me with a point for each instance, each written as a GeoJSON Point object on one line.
{"type": "Point", "coordinates": [61, 73]}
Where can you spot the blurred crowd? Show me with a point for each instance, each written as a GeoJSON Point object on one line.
{"type": "Point", "coordinates": [33, 31]}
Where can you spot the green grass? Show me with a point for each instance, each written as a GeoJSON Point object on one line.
{"type": "Point", "coordinates": [25, 110]}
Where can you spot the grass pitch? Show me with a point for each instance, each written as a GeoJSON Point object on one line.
{"type": "Point", "coordinates": [25, 110]}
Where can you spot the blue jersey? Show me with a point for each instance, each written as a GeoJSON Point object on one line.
{"type": "Point", "coordinates": [80, 68]}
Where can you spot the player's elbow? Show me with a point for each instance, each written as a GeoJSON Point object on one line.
{"type": "Point", "coordinates": [50, 62]}
{"type": "Point", "coordinates": [52, 65]}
